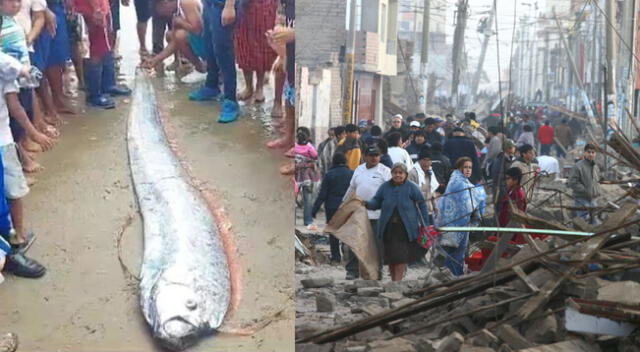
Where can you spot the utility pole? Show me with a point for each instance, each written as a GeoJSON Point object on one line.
{"type": "Point", "coordinates": [594, 54]}
{"type": "Point", "coordinates": [545, 66]}
{"type": "Point", "coordinates": [488, 31]}
{"type": "Point", "coordinates": [424, 53]}
{"type": "Point", "coordinates": [576, 75]}
{"type": "Point", "coordinates": [611, 63]}
{"type": "Point", "coordinates": [458, 44]}
{"type": "Point", "coordinates": [347, 107]}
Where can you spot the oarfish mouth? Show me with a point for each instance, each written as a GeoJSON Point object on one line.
{"type": "Point", "coordinates": [178, 334]}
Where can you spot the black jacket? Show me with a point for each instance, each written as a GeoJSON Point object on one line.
{"type": "Point", "coordinates": [414, 150]}
{"type": "Point", "coordinates": [441, 166]}
{"type": "Point", "coordinates": [457, 147]}
{"type": "Point", "coordinates": [334, 186]}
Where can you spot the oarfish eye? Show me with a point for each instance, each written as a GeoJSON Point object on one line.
{"type": "Point", "coordinates": [191, 304]}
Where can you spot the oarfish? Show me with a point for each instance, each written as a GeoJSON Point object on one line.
{"type": "Point", "coordinates": [184, 287]}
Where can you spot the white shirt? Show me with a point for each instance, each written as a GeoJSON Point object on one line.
{"type": "Point", "coordinates": [6, 86]}
{"type": "Point", "coordinates": [365, 183]}
{"type": "Point", "coordinates": [549, 164]}
{"type": "Point", "coordinates": [400, 155]}
{"type": "Point", "coordinates": [23, 17]}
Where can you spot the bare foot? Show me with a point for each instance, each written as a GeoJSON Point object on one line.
{"type": "Point", "coordinates": [246, 94]}
{"type": "Point", "coordinates": [29, 165]}
{"type": "Point", "coordinates": [288, 168]}
{"type": "Point", "coordinates": [276, 111]}
{"type": "Point", "coordinates": [65, 110]}
{"type": "Point", "coordinates": [53, 119]}
{"type": "Point", "coordinates": [30, 180]}
{"type": "Point", "coordinates": [291, 153]}
{"type": "Point", "coordinates": [258, 96]}
{"type": "Point", "coordinates": [280, 143]}
{"type": "Point", "coordinates": [29, 145]}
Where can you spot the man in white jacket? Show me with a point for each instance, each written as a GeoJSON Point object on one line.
{"type": "Point", "coordinates": [396, 152]}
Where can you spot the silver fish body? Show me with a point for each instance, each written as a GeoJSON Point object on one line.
{"type": "Point", "coordinates": [184, 288]}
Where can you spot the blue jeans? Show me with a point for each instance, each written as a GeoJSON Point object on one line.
{"type": "Point", "coordinates": [219, 47]}
{"type": "Point", "coordinates": [307, 205]}
{"type": "Point", "coordinates": [334, 243]}
{"type": "Point", "coordinates": [585, 214]}
{"type": "Point", "coordinates": [455, 257]}
{"type": "Point", "coordinates": [545, 149]}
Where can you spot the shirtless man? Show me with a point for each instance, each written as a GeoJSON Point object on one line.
{"type": "Point", "coordinates": [186, 34]}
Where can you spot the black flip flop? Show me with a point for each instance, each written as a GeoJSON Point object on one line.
{"type": "Point", "coordinates": [24, 246]}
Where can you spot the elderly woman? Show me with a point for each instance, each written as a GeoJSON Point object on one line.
{"type": "Point", "coordinates": [402, 205]}
{"type": "Point", "coordinates": [460, 204]}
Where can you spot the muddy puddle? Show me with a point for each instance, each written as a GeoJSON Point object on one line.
{"type": "Point", "coordinates": [83, 199]}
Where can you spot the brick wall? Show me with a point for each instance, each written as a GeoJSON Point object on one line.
{"type": "Point", "coordinates": [320, 31]}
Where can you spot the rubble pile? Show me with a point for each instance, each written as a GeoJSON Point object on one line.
{"type": "Point", "coordinates": [566, 293]}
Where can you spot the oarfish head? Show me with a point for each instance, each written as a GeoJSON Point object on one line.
{"type": "Point", "coordinates": [186, 306]}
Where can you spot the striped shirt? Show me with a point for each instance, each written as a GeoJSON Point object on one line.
{"type": "Point", "coordinates": [13, 40]}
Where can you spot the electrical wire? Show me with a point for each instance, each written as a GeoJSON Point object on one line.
{"type": "Point", "coordinates": [616, 31]}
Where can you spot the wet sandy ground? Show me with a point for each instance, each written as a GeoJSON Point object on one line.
{"type": "Point", "coordinates": [83, 198]}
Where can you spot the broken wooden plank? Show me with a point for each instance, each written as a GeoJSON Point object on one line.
{"type": "Point", "coordinates": [521, 274]}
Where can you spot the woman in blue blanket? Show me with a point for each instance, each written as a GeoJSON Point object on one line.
{"type": "Point", "coordinates": [461, 205]}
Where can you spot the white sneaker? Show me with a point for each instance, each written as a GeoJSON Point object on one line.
{"type": "Point", "coordinates": [194, 77]}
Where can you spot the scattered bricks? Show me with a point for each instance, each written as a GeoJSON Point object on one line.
{"type": "Point", "coordinates": [565, 346]}
{"type": "Point", "coordinates": [317, 282]}
{"type": "Point", "coordinates": [369, 335]}
{"type": "Point", "coordinates": [392, 296]}
{"type": "Point", "coordinates": [312, 347]}
{"type": "Point", "coordinates": [395, 345]}
{"type": "Point", "coordinates": [466, 324]}
{"type": "Point", "coordinates": [584, 288]}
{"type": "Point", "coordinates": [485, 338]}
{"type": "Point", "coordinates": [325, 302]}
{"type": "Point", "coordinates": [353, 287]}
{"type": "Point", "coordinates": [471, 348]}
{"type": "Point", "coordinates": [342, 296]}
{"type": "Point", "coordinates": [394, 286]}
{"type": "Point", "coordinates": [402, 302]}
{"type": "Point", "coordinates": [359, 301]}
{"type": "Point", "coordinates": [424, 345]}
{"type": "Point", "coordinates": [543, 330]}
{"type": "Point", "coordinates": [512, 337]}
{"type": "Point", "coordinates": [627, 292]}
{"type": "Point", "coordinates": [369, 291]}
{"type": "Point", "coordinates": [451, 343]}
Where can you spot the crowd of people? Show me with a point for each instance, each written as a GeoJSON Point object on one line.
{"type": "Point", "coordinates": [426, 171]}
{"type": "Point", "coordinates": [46, 44]}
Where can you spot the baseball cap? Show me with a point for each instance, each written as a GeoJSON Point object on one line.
{"type": "Point", "coordinates": [414, 124]}
{"type": "Point", "coordinates": [398, 116]}
{"type": "Point", "coordinates": [438, 120]}
{"type": "Point", "coordinates": [363, 123]}
{"type": "Point", "coordinates": [372, 150]}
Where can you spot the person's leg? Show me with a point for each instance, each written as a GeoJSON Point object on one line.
{"type": "Point", "coordinates": [159, 27]}
{"type": "Point", "coordinates": [334, 243]}
{"type": "Point", "coordinates": [224, 54]}
{"type": "Point", "coordinates": [286, 141]}
{"type": "Point", "coordinates": [307, 205]}
{"type": "Point", "coordinates": [99, 47]}
{"type": "Point", "coordinates": [59, 53]}
{"type": "Point", "coordinates": [17, 218]}
{"type": "Point", "coordinates": [258, 96]}
{"type": "Point", "coordinates": [352, 267]}
{"type": "Point", "coordinates": [247, 92]}
{"type": "Point", "coordinates": [77, 59]}
{"type": "Point", "coordinates": [211, 88]}
{"type": "Point", "coordinates": [143, 14]}
{"type": "Point", "coordinates": [276, 111]}
{"type": "Point", "coordinates": [183, 41]}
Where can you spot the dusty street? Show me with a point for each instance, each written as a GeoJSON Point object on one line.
{"type": "Point", "coordinates": [85, 302]}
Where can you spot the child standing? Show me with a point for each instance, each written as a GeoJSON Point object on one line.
{"type": "Point", "coordinates": [306, 172]}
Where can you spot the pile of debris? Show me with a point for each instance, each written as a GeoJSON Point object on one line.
{"type": "Point", "coordinates": [582, 295]}
{"type": "Point", "coordinates": [569, 293]}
